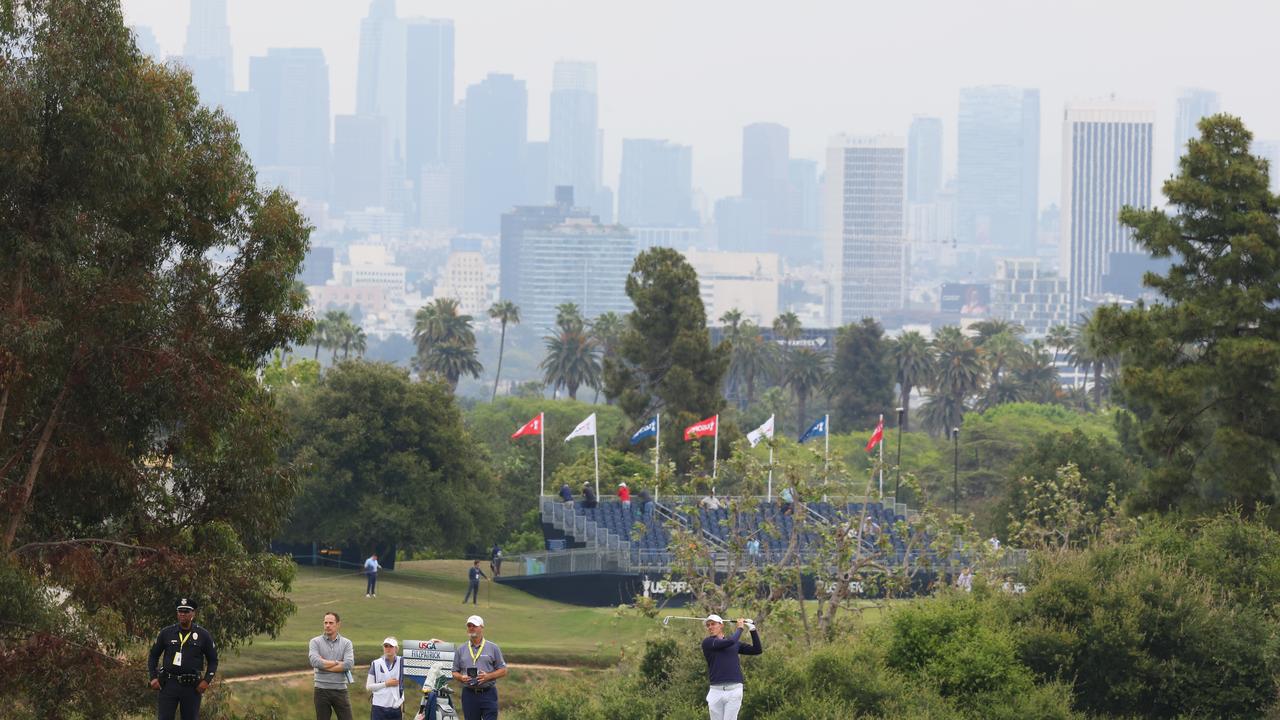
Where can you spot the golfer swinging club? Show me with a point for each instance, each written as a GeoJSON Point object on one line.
{"type": "Point", "coordinates": [725, 696]}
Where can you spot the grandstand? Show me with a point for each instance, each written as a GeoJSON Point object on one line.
{"type": "Point", "coordinates": [607, 554]}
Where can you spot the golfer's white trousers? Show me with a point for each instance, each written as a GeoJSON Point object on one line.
{"type": "Point", "coordinates": [724, 701]}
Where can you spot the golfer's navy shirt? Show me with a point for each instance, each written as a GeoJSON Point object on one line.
{"type": "Point", "coordinates": [722, 656]}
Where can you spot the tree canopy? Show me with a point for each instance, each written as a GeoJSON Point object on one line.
{"type": "Point", "coordinates": [143, 277]}
{"type": "Point", "coordinates": [1202, 364]}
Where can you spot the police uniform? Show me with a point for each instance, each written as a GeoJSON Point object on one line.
{"type": "Point", "coordinates": [181, 660]}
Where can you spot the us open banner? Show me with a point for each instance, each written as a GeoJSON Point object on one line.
{"type": "Point", "coordinates": [426, 662]}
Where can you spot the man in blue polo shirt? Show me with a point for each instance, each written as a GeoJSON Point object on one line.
{"type": "Point", "coordinates": [725, 673]}
{"type": "Point", "coordinates": [478, 664]}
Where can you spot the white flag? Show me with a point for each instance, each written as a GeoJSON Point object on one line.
{"type": "Point", "coordinates": [586, 428]}
{"type": "Point", "coordinates": [764, 431]}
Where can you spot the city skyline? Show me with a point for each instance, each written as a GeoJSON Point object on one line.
{"type": "Point", "coordinates": [722, 83]}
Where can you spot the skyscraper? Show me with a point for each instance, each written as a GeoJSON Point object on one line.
{"type": "Point", "coordinates": [655, 187]}
{"type": "Point", "coordinates": [145, 39]}
{"type": "Point", "coordinates": [1193, 104]}
{"type": "Point", "coordinates": [924, 159]}
{"type": "Point", "coordinates": [497, 114]}
{"type": "Point", "coordinates": [1106, 164]}
{"type": "Point", "coordinates": [358, 167]}
{"type": "Point", "coordinates": [208, 51]}
{"type": "Point", "coordinates": [380, 75]}
{"type": "Point", "coordinates": [864, 233]}
{"type": "Point", "coordinates": [766, 152]}
{"type": "Point", "coordinates": [429, 95]}
{"type": "Point", "coordinates": [998, 174]}
{"type": "Point", "coordinates": [574, 153]}
{"type": "Point", "coordinates": [1270, 151]}
{"type": "Point", "coordinates": [291, 86]}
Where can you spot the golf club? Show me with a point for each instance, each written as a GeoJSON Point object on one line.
{"type": "Point", "coordinates": [667, 620]}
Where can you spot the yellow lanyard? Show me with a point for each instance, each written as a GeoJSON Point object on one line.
{"type": "Point", "coordinates": [475, 656]}
{"type": "Point", "coordinates": [182, 639]}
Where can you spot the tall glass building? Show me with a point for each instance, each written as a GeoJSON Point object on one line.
{"type": "Point", "coordinates": [998, 171]}
{"type": "Point", "coordinates": [208, 51]}
{"type": "Point", "coordinates": [1193, 104]}
{"type": "Point", "coordinates": [573, 152]}
{"type": "Point", "coordinates": [496, 133]}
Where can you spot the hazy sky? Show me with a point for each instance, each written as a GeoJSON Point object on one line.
{"type": "Point", "coordinates": [696, 71]}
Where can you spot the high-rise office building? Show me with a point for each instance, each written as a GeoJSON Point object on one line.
{"type": "Point", "coordinates": [380, 74]}
{"type": "Point", "coordinates": [429, 96]}
{"type": "Point", "coordinates": [1106, 165]}
{"type": "Point", "coordinates": [998, 174]}
{"type": "Point", "coordinates": [497, 114]}
{"type": "Point", "coordinates": [655, 187]}
{"type": "Point", "coordinates": [578, 261]}
{"type": "Point", "coordinates": [924, 159]}
{"type": "Point", "coordinates": [1193, 104]}
{"type": "Point", "coordinates": [527, 218]}
{"type": "Point", "coordinates": [146, 41]}
{"type": "Point", "coordinates": [291, 86]}
{"type": "Point", "coordinates": [766, 154]}
{"type": "Point", "coordinates": [864, 232]}
{"type": "Point", "coordinates": [574, 158]}
{"type": "Point", "coordinates": [358, 169]}
{"type": "Point", "coordinates": [208, 51]}
{"type": "Point", "coordinates": [537, 171]}
{"type": "Point", "coordinates": [804, 204]}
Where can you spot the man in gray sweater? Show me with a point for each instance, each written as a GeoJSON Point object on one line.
{"type": "Point", "coordinates": [333, 657]}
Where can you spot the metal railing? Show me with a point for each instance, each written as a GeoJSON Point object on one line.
{"type": "Point", "coordinates": [563, 517]}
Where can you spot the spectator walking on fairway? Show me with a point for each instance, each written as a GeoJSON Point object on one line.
{"type": "Point", "coordinates": [371, 568]}
{"type": "Point", "coordinates": [723, 669]}
{"type": "Point", "coordinates": [473, 583]}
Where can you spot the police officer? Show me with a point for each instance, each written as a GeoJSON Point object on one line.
{"type": "Point", "coordinates": [176, 661]}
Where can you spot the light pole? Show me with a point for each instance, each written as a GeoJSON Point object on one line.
{"type": "Point", "coordinates": [955, 473]}
{"type": "Point", "coordinates": [897, 472]}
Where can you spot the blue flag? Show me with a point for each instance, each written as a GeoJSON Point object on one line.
{"type": "Point", "coordinates": [818, 429]}
{"type": "Point", "coordinates": [649, 429]}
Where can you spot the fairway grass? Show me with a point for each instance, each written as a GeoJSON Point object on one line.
{"type": "Point", "coordinates": [422, 600]}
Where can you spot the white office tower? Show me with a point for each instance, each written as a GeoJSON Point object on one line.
{"type": "Point", "coordinates": [864, 235]}
{"type": "Point", "coordinates": [380, 74]}
{"type": "Point", "coordinates": [1106, 165]}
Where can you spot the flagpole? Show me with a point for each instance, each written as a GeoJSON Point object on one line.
{"type": "Point", "coordinates": [882, 458]}
{"type": "Point", "coordinates": [657, 446]}
{"type": "Point", "coordinates": [826, 456]}
{"type": "Point", "coordinates": [715, 452]}
{"type": "Point", "coordinates": [770, 495]}
{"type": "Point", "coordinates": [595, 445]}
{"type": "Point", "coordinates": [542, 459]}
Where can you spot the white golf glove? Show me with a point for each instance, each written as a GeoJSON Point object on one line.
{"type": "Point", "coordinates": [751, 625]}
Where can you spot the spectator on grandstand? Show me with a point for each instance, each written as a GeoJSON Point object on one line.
{"type": "Point", "coordinates": [753, 550]}
{"type": "Point", "coordinates": [588, 496]}
{"type": "Point", "coordinates": [565, 493]}
{"type": "Point", "coordinates": [788, 500]}
{"type": "Point", "coordinates": [965, 581]}
{"type": "Point", "coordinates": [994, 543]}
{"type": "Point", "coordinates": [710, 502]}
{"type": "Point", "coordinates": [624, 495]}
{"type": "Point", "coordinates": [645, 500]}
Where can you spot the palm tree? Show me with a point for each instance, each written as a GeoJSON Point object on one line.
{"type": "Point", "coordinates": [987, 329]}
{"type": "Point", "coordinates": [359, 342]}
{"type": "Point", "coordinates": [751, 357]}
{"type": "Point", "coordinates": [452, 360]}
{"type": "Point", "coordinates": [1089, 353]}
{"type": "Point", "coordinates": [569, 316]}
{"type": "Point", "coordinates": [352, 337]}
{"type": "Point", "coordinates": [1036, 373]}
{"type": "Point", "coordinates": [446, 343]}
{"type": "Point", "coordinates": [804, 371]}
{"type": "Point", "coordinates": [730, 320]}
{"type": "Point", "coordinates": [337, 325]}
{"type": "Point", "coordinates": [787, 326]}
{"type": "Point", "coordinates": [319, 335]}
{"type": "Point", "coordinates": [1059, 338]}
{"type": "Point", "coordinates": [1000, 350]}
{"type": "Point", "coordinates": [572, 361]}
{"type": "Point", "coordinates": [607, 329]}
{"type": "Point", "coordinates": [504, 312]}
{"type": "Point", "coordinates": [914, 362]}
{"type": "Point", "coordinates": [957, 376]}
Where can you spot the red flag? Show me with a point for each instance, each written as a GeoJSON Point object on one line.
{"type": "Point", "coordinates": [702, 428]}
{"type": "Point", "coordinates": [876, 436]}
{"type": "Point", "coordinates": [533, 427]}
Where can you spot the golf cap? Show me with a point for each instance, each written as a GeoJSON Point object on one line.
{"type": "Point", "coordinates": [392, 642]}
{"type": "Point", "coordinates": [475, 620]}
{"type": "Point", "coordinates": [622, 484]}
{"type": "Point", "coordinates": [185, 604]}
{"type": "Point", "coordinates": [714, 618]}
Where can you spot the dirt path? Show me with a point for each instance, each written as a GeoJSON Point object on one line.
{"type": "Point", "coordinates": [307, 673]}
